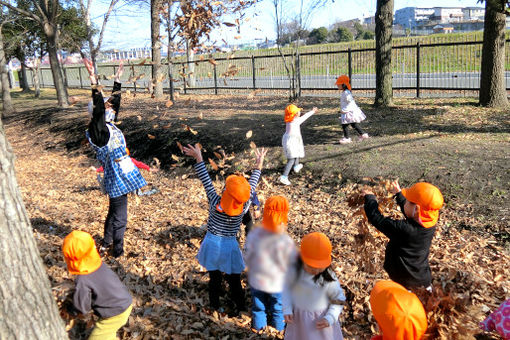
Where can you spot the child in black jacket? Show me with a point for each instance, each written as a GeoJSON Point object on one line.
{"type": "Point", "coordinates": [407, 253]}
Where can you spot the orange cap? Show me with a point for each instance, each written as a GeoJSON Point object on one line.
{"type": "Point", "coordinates": [276, 212]}
{"type": "Point", "coordinates": [80, 253]}
{"type": "Point", "coordinates": [398, 312]}
{"type": "Point", "coordinates": [237, 192]}
{"type": "Point", "coordinates": [316, 250]}
{"type": "Point", "coordinates": [290, 112]}
{"type": "Point", "coordinates": [343, 79]}
{"type": "Point", "coordinates": [429, 198]}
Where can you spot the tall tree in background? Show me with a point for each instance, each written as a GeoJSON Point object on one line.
{"type": "Point", "coordinates": [91, 31]}
{"type": "Point", "coordinates": [4, 77]}
{"type": "Point", "coordinates": [28, 308]}
{"type": "Point", "coordinates": [46, 14]}
{"type": "Point", "coordinates": [157, 69]}
{"type": "Point", "coordinates": [492, 79]}
{"type": "Point", "coordinates": [383, 36]}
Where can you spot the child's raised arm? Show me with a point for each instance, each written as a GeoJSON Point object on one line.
{"type": "Point", "coordinates": [307, 115]}
{"type": "Point", "coordinates": [203, 175]}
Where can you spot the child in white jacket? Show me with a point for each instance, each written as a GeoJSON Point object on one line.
{"type": "Point", "coordinates": [268, 254]}
{"type": "Point", "coordinates": [312, 297]}
{"type": "Point", "coordinates": [292, 141]}
{"type": "Point", "coordinates": [351, 114]}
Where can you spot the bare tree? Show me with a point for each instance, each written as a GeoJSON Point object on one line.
{"type": "Point", "coordinates": [492, 79]}
{"type": "Point", "coordinates": [46, 13]}
{"type": "Point", "coordinates": [4, 77]}
{"type": "Point", "coordinates": [157, 74]}
{"type": "Point", "coordinates": [91, 31]}
{"type": "Point", "coordinates": [28, 309]}
{"type": "Point", "coordinates": [383, 36]}
{"type": "Point", "coordinates": [301, 21]}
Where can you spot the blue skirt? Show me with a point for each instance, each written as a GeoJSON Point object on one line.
{"type": "Point", "coordinates": [221, 253]}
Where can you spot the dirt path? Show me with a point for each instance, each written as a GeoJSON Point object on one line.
{"type": "Point", "coordinates": [465, 148]}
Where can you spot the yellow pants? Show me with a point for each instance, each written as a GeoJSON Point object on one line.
{"type": "Point", "coordinates": [106, 329]}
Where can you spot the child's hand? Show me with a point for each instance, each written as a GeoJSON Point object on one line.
{"type": "Point", "coordinates": [193, 151]}
{"type": "Point", "coordinates": [322, 323]}
{"type": "Point", "coordinates": [395, 187]}
{"type": "Point", "coordinates": [120, 72]}
{"type": "Point", "coordinates": [315, 109]}
{"type": "Point", "coordinates": [289, 318]}
{"type": "Point", "coordinates": [259, 160]}
{"type": "Point", "coordinates": [90, 69]}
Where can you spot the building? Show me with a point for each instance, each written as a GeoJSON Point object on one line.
{"type": "Point", "coordinates": [444, 28]}
{"type": "Point", "coordinates": [473, 13]}
{"type": "Point", "coordinates": [447, 14]}
{"type": "Point", "coordinates": [410, 17]}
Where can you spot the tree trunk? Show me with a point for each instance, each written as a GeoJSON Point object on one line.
{"type": "Point", "coordinates": [383, 35]}
{"type": "Point", "coordinates": [56, 72]}
{"type": "Point", "coordinates": [190, 56]}
{"type": "Point", "coordinates": [23, 79]}
{"type": "Point", "coordinates": [27, 306]}
{"type": "Point", "coordinates": [170, 60]}
{"type": "Point", "coordinates": [157, 77]}
{"type": "Point", "coordinates": [4, 81]}
{"type": "Point", "coordinates": [492, 78]}
{"type": "Point", "coordinates": [35, 78]}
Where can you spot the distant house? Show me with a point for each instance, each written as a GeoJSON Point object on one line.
{"type": "Point", "coordinates": [410, 17]}
{"type": "Point", "coordinates": [447, 14]}
{"type": "Point", "coordinates": [443, 28]}
{"type": "Point", "coordinates": [473, 13]}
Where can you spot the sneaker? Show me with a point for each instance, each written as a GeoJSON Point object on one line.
{"type": "Point", "coordinates": [284, 180]}
{"type": "Point", "coordinates": [345, 141]}
{"type": "Point", "coordinates": [298, 168]}
{"type": "Point", "coordinates": [364, 136]}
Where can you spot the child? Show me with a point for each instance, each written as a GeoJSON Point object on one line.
{"type": "Point", "coordinates": [351, 113]}
{"type": "Point", "coordinates": [312, 297]}
{"type": "Point", "coordinates": [268, 251]}
{"type": "Point", "coordinates": [139, 165]}
{"type": "Point", "coordinates": [398, 312]}
{"type": "Point", "coordinates": [292, 141]}
{"type": "Point", "coordinates": [499, 321]}
{"type": "Point", "coordinates": [97, 286]}
{"type": "Point", "coordinates": [120, 175]}
{"type": "Point", "coordinates": [219, 252]}
{"type": "Point", "coordinates": [407, 252]}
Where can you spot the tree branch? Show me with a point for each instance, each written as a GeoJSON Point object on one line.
{"type": "Point", "coordinates": [21, 11]}
{"type": "Point", "coordinates": [106, 17]}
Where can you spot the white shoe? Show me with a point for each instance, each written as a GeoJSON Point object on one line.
{"type": "Point", "coordinates": [284, 180]}
{"type": "Point", "coordinates": [297, 168]}
{"type": "Point", "coordinates": [364, 136]}
{"type": "Point", "coordinates": [345, 141]}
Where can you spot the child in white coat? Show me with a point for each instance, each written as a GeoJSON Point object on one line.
{"type": "Point", "coordinates": [292, 141]}
{"type": "Point", "coordinates": [351, 113]}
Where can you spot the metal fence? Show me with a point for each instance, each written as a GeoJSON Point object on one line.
{"type": "Point", "coordinates": [435, 69]}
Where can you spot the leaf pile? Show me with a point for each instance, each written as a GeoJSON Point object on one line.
{"type": "Point", "coordinates": [470, 270]}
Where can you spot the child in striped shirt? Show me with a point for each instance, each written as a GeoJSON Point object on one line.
{"type": "Point", "coordinates": [219, 252]}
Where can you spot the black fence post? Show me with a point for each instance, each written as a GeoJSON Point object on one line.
{"type": "Point", "coordinates": [81, 80]}
{"type": "Point", "coordinates": [215, 80]}
{"type": "Point", "coordinates": [253, 70]}
{"type": "Point", "coordinates": [184, 77]}
{"type": "Point", "coordinates": [349, 64]}
{"type": "Point", "coordinates": [417, 70]}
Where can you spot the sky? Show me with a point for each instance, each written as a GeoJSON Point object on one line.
{"type": "Point", "coordinates": [125, 31]}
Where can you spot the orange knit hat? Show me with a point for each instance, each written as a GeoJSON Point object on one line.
{"type": "Point", "coordinates": [237, 192]}
{"type": "Point", "coordinates": [316, 250]}
{"type": "Point", "coordinates": [276, 212]}
{"type": "Point", "coordinates": [80, 253]}
{"type": "Point", "coordinates": [429, 198]}
{"type": "Point", "coordinates": [290, 112]}
{"type": "Point", "coordinates": [398, 312]}
{"type": "Point", "coordinates": [343, 79]}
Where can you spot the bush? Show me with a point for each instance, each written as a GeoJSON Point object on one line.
{"type": "Point", "coordinates": [318, 35]}
{"type": "Point", "coordinates": [341, 34]}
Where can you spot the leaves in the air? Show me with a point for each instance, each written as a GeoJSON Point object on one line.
{"type": "Point", "coordinates": [213, 164]}
{"type": "Point", "coordinates": [249, 134]}
{"type": "Point", "coordinates": [179, 145]}
{"type": "Point", "coordinates": [188, 128]}
{"type": "Point", "coordinates": [151, 136]}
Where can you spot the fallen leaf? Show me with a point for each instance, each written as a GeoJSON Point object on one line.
{"type": "Point", "coordinates": [139, 118]}
{"type": "Point", "coordinates": [253, 145]}
{"type": "Point", "coordinates": [175, 158]}
{"type": "Point", "coordinates": [169, 103]}
{"type": "Point", "coordinates": [151, 136]}
{"type": "Point", "coordinates": [249, 134]}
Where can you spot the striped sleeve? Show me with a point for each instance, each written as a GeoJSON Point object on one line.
{"type": "Point", "coordinates": [254, 179]}
{"type": "Point", "coordinates": [203, 175]}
